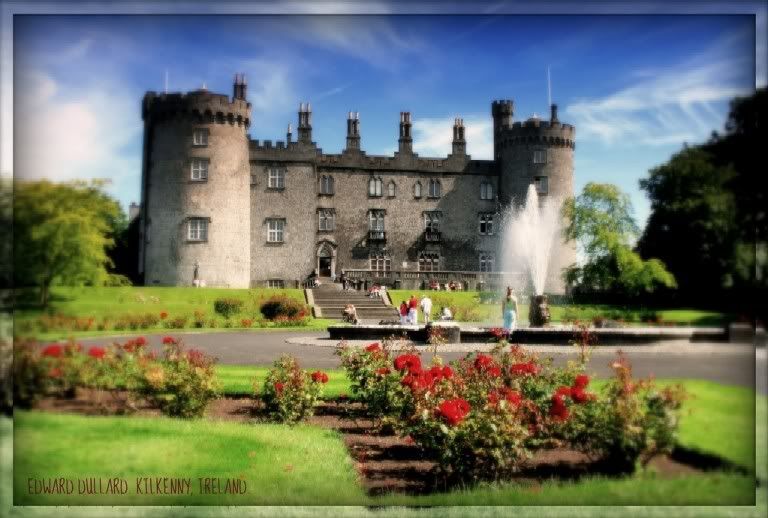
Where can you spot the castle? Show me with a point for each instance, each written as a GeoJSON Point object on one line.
{"type": "Point", "coordinates": [222, 208]}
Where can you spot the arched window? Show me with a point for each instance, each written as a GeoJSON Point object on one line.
{"type": "Point", "coordinates": [486, 191]}
{"type": "Point", "coordinates": [417, 190]}
{"type": "Point", "coordinates": [374, 187]}
{"type": "Point", "coordinates": [429, 262]}
{"type": "Point", "coordinates": [391, 189]}
{"type": "Point", "coordinates": [326, 184]}
{"type": "Point", "coordinates": [487, 262]}
{"type": "Point", "coordinates": [434, 188]}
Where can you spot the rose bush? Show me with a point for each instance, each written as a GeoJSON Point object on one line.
{"type": "Point", "coordinates": [289, 392]}
{"type": "Point", "coordinates": [489, 411]}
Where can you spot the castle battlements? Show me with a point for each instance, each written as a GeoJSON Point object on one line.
{"type": "Point", "coordinates": [199, 106]}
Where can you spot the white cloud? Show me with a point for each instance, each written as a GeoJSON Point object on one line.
{"type": "Point", "coordinates": [64, 135]}
{"type": "Point", "coordinates": [433, 137]}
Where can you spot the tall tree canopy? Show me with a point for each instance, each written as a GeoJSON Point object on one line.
{"type": "Point", "coordinates": [601, 222]}
{"type": "Point", "coordinates": [708, 211]}
{"type": "Point", "coordinates": [61, 233]}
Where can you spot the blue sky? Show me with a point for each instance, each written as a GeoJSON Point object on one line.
{"type": "Point", "coordinates": [636, 87]}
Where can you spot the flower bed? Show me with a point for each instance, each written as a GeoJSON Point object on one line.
{"type": "Point", "coordinates": [180, 382]}
{"type": "Point", "coordinates": [486, 413]}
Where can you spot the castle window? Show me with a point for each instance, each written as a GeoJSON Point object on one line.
{"type": "Point", "coordinates": [199, 169]}
{"type": "Point", "coordinates": [429, 262]}
{"type": "Point", "coordinates": [275, 230]}
{"type": "Point", "coordinates": [435, 189]}
{"type": "Point", "coordinates": [542, 184]}
{"type": "Point", "coordinates": [391, 189]}
{"type": "Point", "coordinates": [197, 229]}
{"type": "Point", "coordinates": [486, 223]}
{"type": "Point", "coordinates": [380, 262]}
{"type": "Point", "coordinates": [417, 190]}
{"type": "Point", "coordinates": [200, 137]}
{"type": "Point", "coordinates": [326, 219]}
{"type": "Point", "coordinates": [276, 178]}
{"type": "Point", "coordinates": [326, 184]}
{"type": "Point", "coordinates": [275, 283]}
{"type": "Point", "coordinates": [376, 220]}
{"type": "Point", "coordinates": [374, 187]}
{"type": "Point", "coordinates": [539, 156]}
{"type": "Point", "coordinates": [432, 221]}
{"type": "Point", "coordinates": [486, 191]}
{"type": "Point", "coordinates": [487, 262]}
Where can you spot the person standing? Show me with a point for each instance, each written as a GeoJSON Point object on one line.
{"type": "Point", "coordinates": [509, 311]}
{"type": "Point", "coordinates": [426, 308]}
{"type": "Point", "coordinates": [413, 315]}
{"type": "Point", "coordinates": [404, 313]}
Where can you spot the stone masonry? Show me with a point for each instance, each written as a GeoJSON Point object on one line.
{"type": "Point", "coordinates": [401, 212]}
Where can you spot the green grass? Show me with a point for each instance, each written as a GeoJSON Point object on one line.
{"type": "Point", "coordinates": [305, 465]}
{"type": "Point", "coordinates": [467, 307]}
{"type": "Point", "coordinates": [111, 303]}
{"type": "Point", "coordinates": [239, 380]}
{"type": "Point", "coordinates": [281, 465]}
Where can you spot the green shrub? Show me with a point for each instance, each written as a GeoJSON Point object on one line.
{"type": "Point", "coordinates": [30, 376]}
{"type": "Point", "coordinates": [178, 322]}
{"type": "Point", "coordinates": [290, 393]}
{"type": "Point", "coordinates": [182, 382]}
{"type": "Point", "coordinates": [283, 306]}
{"type": "Point", "coordinates": [227, 307]}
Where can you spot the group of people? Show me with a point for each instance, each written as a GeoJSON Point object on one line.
{"type": "Point", "coordinates": [451, 286]}
{"type": "Point", "coordinates": [409, 311]}
{"type": "Point", "coordinates": [376, 291]}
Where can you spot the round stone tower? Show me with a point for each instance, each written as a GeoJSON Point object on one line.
{"type": "Point", "coordinates": [537, 152]}
{"type": "Point", "coordinates": [196, 189]}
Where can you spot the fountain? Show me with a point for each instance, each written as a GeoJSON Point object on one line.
{"type": "Point", "coordinates": [529, 233]}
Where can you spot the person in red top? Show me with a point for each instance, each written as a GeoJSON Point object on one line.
{"type": "Point", "coordinates": [413, 313]}
{"type": "Point", "coordinates": [404, 313]}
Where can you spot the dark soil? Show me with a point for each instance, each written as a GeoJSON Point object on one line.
{"type": "Point", "coordinates": [385, 462]}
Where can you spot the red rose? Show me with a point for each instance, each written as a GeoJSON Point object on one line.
{"type": "Point", "coordinates": [319, 377]}
{"type": "Point", "coordinates": [513, 397]}
{"type": "Point", "coordinates": [53, 350]}
{"type": "Point", "coordinates": [454, 410]}
{"type": "Point", "coordinates": [168, 340]}
{"type": "Point", "coordinates": [163, 315]}
{"type": "Point", "coordinates": [279, 387]}
{"type": "Point", "coordinates": [383, 371]}
{"type": "Point", "coordinates": [523, 369]}
{"type": "Point", "coordinates": [411, 362]}
{"type": "Point", "coordinates": [558, 410]}
{"type": "Point", "coordinates": [196, 358]}
{"type": "Point", "coordinates": [96, 352]}
{"type": "Point", "coordinates": [447, 372]}
{"type": "Point", "coordinates": [493, 398]}
{"type": "Point", "coordinates": [563, 391]}
{"type": "Point", "coordinates": [581, 381]}
{"type": "Point", "coordinates": [494, 371]}
{"type": "Point", "coordinates": [579, 396]}
{"type": "Point", "coordinates": [421, 380]}
{"type": "Point", "coordinates": [141, 341]}
{"type": "Point", "coordinates": [373, 347]}
{"type": "Point", "coordinates": [482, 362]}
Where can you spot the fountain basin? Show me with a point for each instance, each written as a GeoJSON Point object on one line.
{"type": "Point", "coordinates": [560, 335]}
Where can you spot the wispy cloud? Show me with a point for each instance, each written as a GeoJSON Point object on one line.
{"type": "Point", "coordinates": [665, 106]}
{"type": "Point", "coordinates": [433, 137]}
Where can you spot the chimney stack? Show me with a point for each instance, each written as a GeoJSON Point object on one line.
{"type": "Point", "coordinates": [305, 123]}
{"type": "Point", "coordinates": [459, 144]}
{"type": "Point", "coordinates": [353, 131]}
{"type": "Point", "coordinates": [240, 87]}
{"type": "Point", "coordinates": [406, 140]}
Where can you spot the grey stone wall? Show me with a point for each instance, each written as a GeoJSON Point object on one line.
{"type": "Point", "coordinates": [171, 197]}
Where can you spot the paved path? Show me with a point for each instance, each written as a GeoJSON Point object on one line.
{"type": "Point", "coordinates": [725, 363]}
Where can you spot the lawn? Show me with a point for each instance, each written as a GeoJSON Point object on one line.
{"type": "Point", "coordinates": [238, 380]}
{"type": "Point", "coordinates": [110, 304]}
{"type": "Point", "coordinates": [467, 307]}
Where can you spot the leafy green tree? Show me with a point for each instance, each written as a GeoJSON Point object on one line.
{"type": "Point", "coordinates": [600, 221]}
{"type": "Point", "coordinates": [61, 233]}
{"type": "Point", "coordinates": [691, 226]}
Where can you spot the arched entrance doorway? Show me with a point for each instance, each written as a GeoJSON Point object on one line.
{"type": "Point", "coordinates": [326, 259]}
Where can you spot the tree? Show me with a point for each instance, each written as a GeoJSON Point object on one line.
{"type": "Point", "coordinates": [708, 211]}
{"type": "Point", "coordinates": [600, 221]}
{"type": "Point", "coordinates": [691, 225]}
{"type": "Point", "coordinates": [61, 233]}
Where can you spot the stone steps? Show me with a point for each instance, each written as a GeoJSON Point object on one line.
{"type": "Point", "coordinates": [329, 301]}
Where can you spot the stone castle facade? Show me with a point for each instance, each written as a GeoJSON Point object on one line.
{"type": "Point", "coordinates": [221, 208]}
